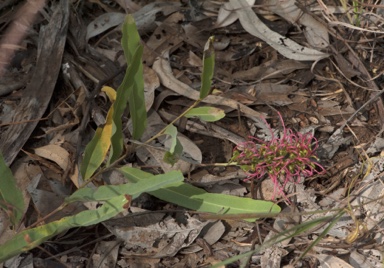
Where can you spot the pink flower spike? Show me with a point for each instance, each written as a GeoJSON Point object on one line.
{"type": "Point", "coordinates": [284, 159]}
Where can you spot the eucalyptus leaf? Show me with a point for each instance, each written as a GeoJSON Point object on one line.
{"type": "Point", "coordinates": [208, 114]}
{"type": "Point", "coordinates": [208, 68]}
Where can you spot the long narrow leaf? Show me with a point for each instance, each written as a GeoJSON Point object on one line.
{"type": "Point", "coordinates": [175, 148]}
{"type": "Point", "coordinates": [107, 192]}
{"type": "Point", "coordinates": [195, 198]}
{"type": "Point", "coordinates": [131, 43]}
{"type": "Point", "coordinates": [11, 197]}
{"type": "Point", "coordinates": [97, 148]}
{"type": "Point", "coordinates": [208, 114]}
{"type": "Point", "coordinates": [29, 239]}
{"type": "Point", "coordinates": [130, 91]}
{"type": "Point", "coordinates": [171, 131]}
{"type": "Point", "coordinates": [208, 68]}
{"type": "Point", "coordinates": [116, 201]}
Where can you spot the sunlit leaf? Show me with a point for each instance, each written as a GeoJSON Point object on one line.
{"type": "Point", "coordinates": [191, 197]}
{"type": "Point", "coordinates": [208, 114]}
{"type": "Point", "coordinates": [117, 200]}
{"type": "Point", "coordinates": [103, 193]}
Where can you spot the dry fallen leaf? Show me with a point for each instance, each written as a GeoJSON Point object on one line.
{"type": "Point", "coordinates": [330, 261]}
{"type": "Point", "coordinates": [163, 69]}
{"type": "Point", "coordinates": [288, 48]}
{"type": "Point", "coordinates": [151, 82]}
{"type": "Point", "coordinates": [227, 16]}
{"type": "Point", "coordinates": [315, 32]}
{"type": "Point", "coordinates": [103, 23]}
{"type": "Point", "coordinates": [54, 153]}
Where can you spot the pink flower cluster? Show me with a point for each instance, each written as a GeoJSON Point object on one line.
{"type": "Point", "coordinates": [285, 159]}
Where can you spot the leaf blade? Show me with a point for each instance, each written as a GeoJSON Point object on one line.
{"type": "Point", "coordinates": [131, 90]}
{"type": "Point", "coordinates": [208, 68]}
{"type": "Point", "coordinates": [197, 199]}
{"type": "Point", "coordinates": [11, 197]}
{"type": "Point", "coordinates": [97, 149]}
{"type": "Point", "coordinates": [208, 114]}
{"type": "Point", "coordinates": [116, 203]}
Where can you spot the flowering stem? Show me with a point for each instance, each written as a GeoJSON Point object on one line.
{"type": "Point", "coordinates": [284, 159]}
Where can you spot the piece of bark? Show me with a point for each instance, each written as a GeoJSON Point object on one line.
{"type": "Point", "coordinates": [38, 92]}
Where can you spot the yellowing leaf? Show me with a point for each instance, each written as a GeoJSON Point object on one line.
{"type": "Point", "coordinates": [111, 93]}
{"type": "Point", "coordinates": [97, 148]}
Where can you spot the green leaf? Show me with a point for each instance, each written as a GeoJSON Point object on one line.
{"type": "Point", "coordinates": [11, 197]}
{"type": "Point", "coordinates": [195, 198]}
{"type": "Point", "coordinates": [107, 192]}
{"type": "Point", "coordinates": [208, 114]}
{"type": "Point", "coordinates": [130, 91]}
{"type": "Point", "coordinates": [171, 130]}
{"type": "Point", "coordinates": [131, 45]}
{"type": "Point", "coordinates": [97, 149]}
{"type": "Point", "coordinates": [208, 68]}
{"type": "Point", "coordinates": [116, 202]}
{"type": "Point", "coordinates": [172, 158]}
{"type": "Point", "coordinates": [175, 149]}
{"type": "Point", "coordinates": [31, 238]}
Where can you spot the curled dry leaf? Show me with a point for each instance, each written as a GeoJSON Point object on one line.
{"type": "Point", "coordinates": [201, 128]}
{"type": "Point", "coordinates": [103, 23]}
{"type": "Point", "coordinates": [151, 82]}
{"type": "Point", "coordinates": [163, 69]}
{"type": "Point", "coordinates": [144, 18]}
{"type": "Point", "coordinates": [285, 46]}
{"type": "Point", "coordinates": [331, 261]}
{"type": "Point", "coordinates": [54, 153]}
{"type": "Point", "coordinates": [315, 32]}
{"type": "Point", "coordinates": [226, 16]}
